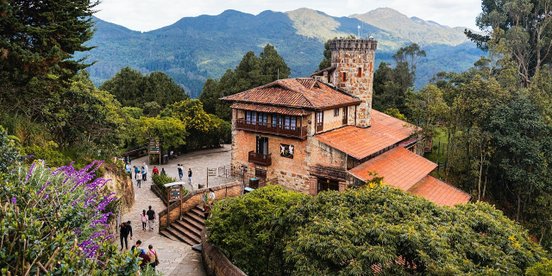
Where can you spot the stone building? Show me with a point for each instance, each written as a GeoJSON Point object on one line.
{"type": "Point", "coordinates": [321, 133]}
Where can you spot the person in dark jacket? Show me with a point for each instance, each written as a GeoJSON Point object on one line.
{"type": "Point", "coordinates": [124, 231]}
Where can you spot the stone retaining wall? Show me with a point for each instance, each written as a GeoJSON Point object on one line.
{"type": "Point", "coordinates": [215, 262]}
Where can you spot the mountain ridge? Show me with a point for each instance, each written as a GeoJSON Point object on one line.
{"type": "Point", "coordinates": [196, 48]}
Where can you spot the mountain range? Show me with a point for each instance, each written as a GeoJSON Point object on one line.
{"type": "Point", "coordinates": [196, 48]}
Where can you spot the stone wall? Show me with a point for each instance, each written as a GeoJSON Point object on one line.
{"type": "Point", "coordinates": [354, 63]}
{"type": "Point", "coordinates": [215, 262]}
{"type": "Point", "coordinates": [282, 168]}
{"type": "Point", "coordinates": [196, 198]}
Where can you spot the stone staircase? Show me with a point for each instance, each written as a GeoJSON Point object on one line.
{"type": "Point", "coordinates": [188, 228]}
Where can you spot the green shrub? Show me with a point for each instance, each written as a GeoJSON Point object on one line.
{"type": "Point", "coordinates": [272, 231]}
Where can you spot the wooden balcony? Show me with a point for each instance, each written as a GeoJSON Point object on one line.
{"type": "Point", "coordinates": [298, 132]}
{"type": "Point", "coordinates": [260, 159]}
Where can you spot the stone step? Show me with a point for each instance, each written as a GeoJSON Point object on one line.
{"type": "Point", "coordinates": [179, 236]}
{"type": "Point", "coordinates": [168, 235]}
{"type": "Point", "coordinates": [198, 218]}
{"type": "Point", "coordinates": [191, 224]}
{"type": "Point", "coordinates": [189, 234]}
{"type": "Point", "coordinates": [198, 211]}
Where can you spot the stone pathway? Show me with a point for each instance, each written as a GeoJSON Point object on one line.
{"type": "Point", "coordinates": [176, 258]}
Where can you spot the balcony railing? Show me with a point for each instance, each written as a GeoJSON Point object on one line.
{"type": "Point", "coordinates": [297, 132]}
{"type": "Point", "coordinates": [260, 159]}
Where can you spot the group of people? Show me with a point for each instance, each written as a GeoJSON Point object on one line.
{"type": "Point", "coordinates": [147, 218]}
{"type": "Point", "coordinates": [180, 169]}
{"type": "Point", "coordinates": [148, 257]}
{"type": "Point", "coordinates": [140, 173]}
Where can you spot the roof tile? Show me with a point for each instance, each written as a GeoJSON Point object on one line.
{"type": "Point", "coordinates": [385, 131]}
{"type": "Point", "coordinates": [299, 93]}
{"type": "Point", "coordinates": [439, 192]}
{"type": "Point", "coordinates": [399, 168]}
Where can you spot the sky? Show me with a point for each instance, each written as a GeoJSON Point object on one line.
{"type": "Point", "coordinates": [146, 15]}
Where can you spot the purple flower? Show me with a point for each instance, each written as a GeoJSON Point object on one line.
{"type": "Point", "coordinates": [30, 172]}
{"type": "Point", "coordinates": [14, 200]}
{"type": "Point", "coordinates": [43, 187]}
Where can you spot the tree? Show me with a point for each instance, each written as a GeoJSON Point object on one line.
{"type": "Point", "coordinates": [272, 65]}
{"type": "Point", "coordinates": [519, 29]}
{"type": "Point", "coordinates": [409, 55]}
{"type": "Point", "coordinates": [39, 38]}
{"type": "Point", "coordinates": [132, 88]}
{"type": "Point", "coordinates": [366, 231]}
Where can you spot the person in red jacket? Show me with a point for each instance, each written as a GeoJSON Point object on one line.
{"type": "Point", "coordinates": [155, 170]}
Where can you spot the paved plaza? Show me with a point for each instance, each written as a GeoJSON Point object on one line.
{"type": "Point", "coordinates": [176, 258]}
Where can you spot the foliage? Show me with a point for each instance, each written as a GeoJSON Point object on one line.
{"type": "Point", "coordinates": [8, 152]}
{"type": "Point", "coordinates": [170, 131]}
{"type": "Point", "coordinates": [542, 268]}
{"type": "Point", "coordinates": [71, 236]}
{"type": "Point", "coordinates": [357, 231]}
{"type": "Point", "coordinates": [150, 92]}
{"type": "Point", "coordinates": [521, 30]}
{"type": "Point", "coordinates": [252, 229]}
{"type": "Point", "coordinates": [161, 179]}
{"type": "Point", "coordinates": [252, 71]}
{"type": "Point", "coordinates": [39, 38]}
{"type": "Point", "coordinates": [205, 130]}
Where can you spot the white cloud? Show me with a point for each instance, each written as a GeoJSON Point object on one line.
{"type": "Point", "coordinates": [145, 15]}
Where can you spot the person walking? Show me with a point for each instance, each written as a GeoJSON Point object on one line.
{"type": "Point", "coordinates": [128, 169]}
{"type": "Point", "coordinates": [153, 259]}
{"type": "Point", "coordinates": [124, 231]}
{"type": "Point", "coordinates": [136, 172]}
{"type": "Point", "coordinates": [151, 218]}
{"type": "Point", "coordinates": [145, 172]}
{"type": "Point", "coordinates": [139, 182]}
{"type": "Point", "coordinates": [144, 219]}
{"type": "Point", "coordinates": [190, 176]}
{"type": "Point", "coordinates": [180, 171]}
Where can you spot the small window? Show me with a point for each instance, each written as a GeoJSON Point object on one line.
{"type": "Point", "coordinates": [344, 76]}
{"type": "Point", "coordinates": [319, 121]}
{"type": "Point", "coordinates": [336, 112]}
{"type": "Point", "coordinates": [359, 72]}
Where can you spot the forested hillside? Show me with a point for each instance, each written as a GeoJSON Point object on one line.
{"type": "Point", "coordinates": [196, 48]}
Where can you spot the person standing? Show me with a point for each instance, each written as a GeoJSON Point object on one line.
{"type": "Point", "coordinates": [190, 176]}
{"type": "Point", "coordinates": [155, 170]}
{"type": "Point", "coordinates": [144, 219]}
{"type": "Point", "coordinates": [151, 218]}
{"type": "Point", "coordinates": [153, 259]}
{"type": "Point", "coordinates": [139, 182]}
{"type": "Point", "coordinates": [145, 172]}
{"type": "Point", "coordinates": [180, 171]}
{"type": "Point", "coordinates": [163, 172]}
{"type": "Point", "coordinates": [128, 169]}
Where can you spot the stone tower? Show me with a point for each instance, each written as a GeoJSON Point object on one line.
{"type": "Point", "coordinates": [353, 60]}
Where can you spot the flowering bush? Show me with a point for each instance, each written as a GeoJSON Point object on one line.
{"type": "Point", "coordinates": [56, 221]}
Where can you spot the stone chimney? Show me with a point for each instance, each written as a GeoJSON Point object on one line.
{"type": "Point", "coordinates": [353, 60]}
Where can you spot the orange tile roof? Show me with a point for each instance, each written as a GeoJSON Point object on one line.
{"type": "Point", "coordinates": [270, 109]}
{"type": "Point", "coordinates": [299, 93]}
{"type": "Point", "coordinates": [439, 192]}
{"type": "Point", "coordinates": [385, 131]}
{"type": "Point", "coordinates": [399, 168]}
